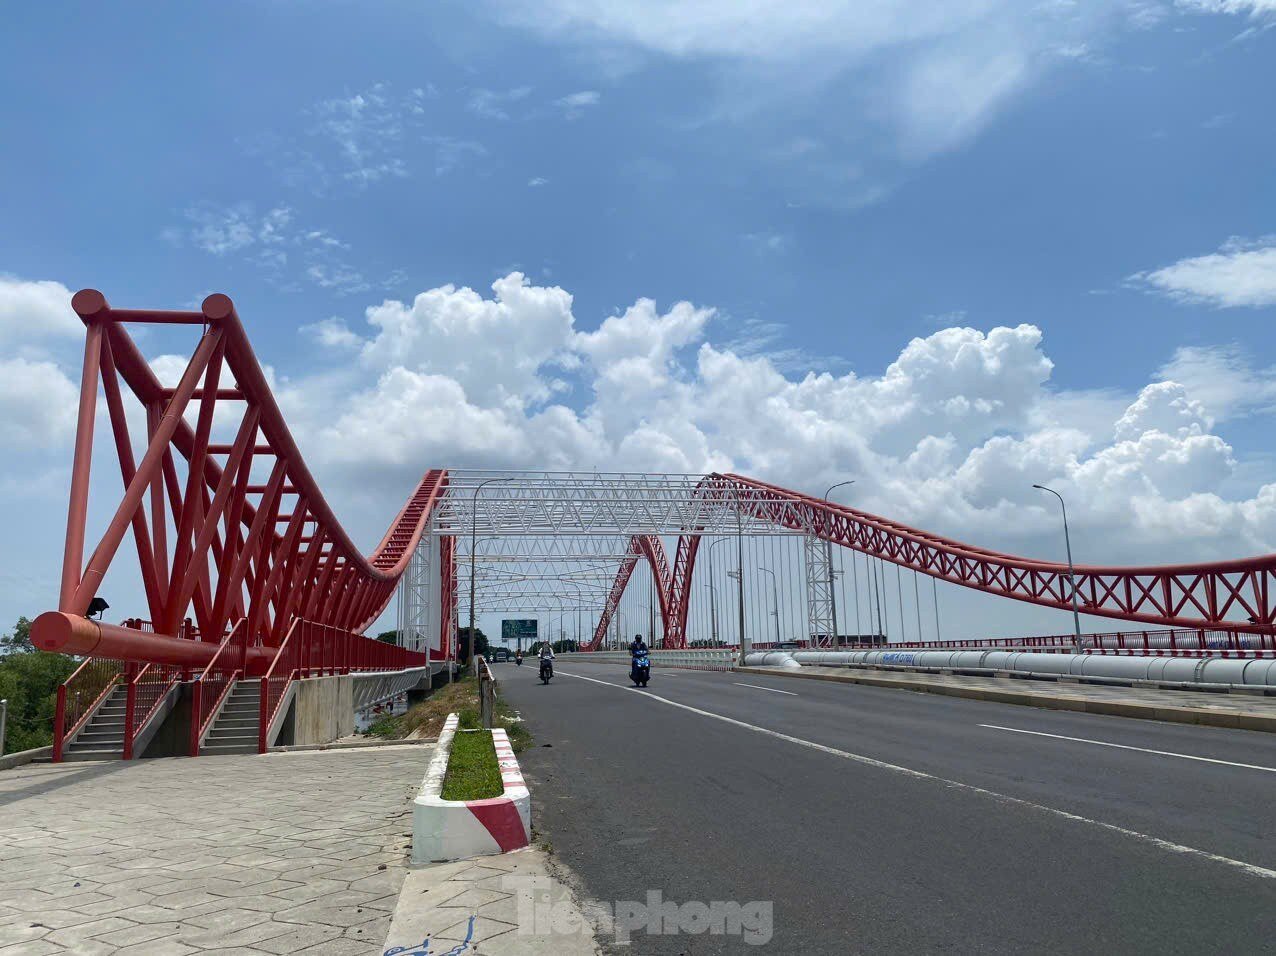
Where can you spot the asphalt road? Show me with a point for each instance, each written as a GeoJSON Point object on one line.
{"type": "Point", "coordinates": [878, 820]}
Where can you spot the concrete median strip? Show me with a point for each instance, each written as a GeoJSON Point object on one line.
{"type": "Point", "coordinates": [444, 830]}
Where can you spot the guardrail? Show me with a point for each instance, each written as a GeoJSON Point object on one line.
{"type": "Point", "coordinates": [706, 659]}
{"type": "Point", "coordinates": [487, 691]}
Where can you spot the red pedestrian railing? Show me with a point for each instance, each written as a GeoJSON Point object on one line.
{"type": "Point", "coordinates": [146, 692]}
{"type": "Point", "coordinates": [215, 682]}
{"type": "Point", "coordinates": [285, 668]}
{"type": "Point", "coordinates": [1195, 639]}
{"type": "Point", "coordinates": [316, 650]}
{"type": "Point", "coordinates": [79, 696]}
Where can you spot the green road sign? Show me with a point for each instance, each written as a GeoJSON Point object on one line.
{"type": "Point", "coordinates": [515, 629]}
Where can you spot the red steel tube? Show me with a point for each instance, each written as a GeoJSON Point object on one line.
{"type": "Point", "coordinates": [68, 634]}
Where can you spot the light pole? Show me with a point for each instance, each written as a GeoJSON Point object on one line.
{"type": "Point", "coordinates": [711, 547]}
{"type": "Point", "coordinates": [739, 574]}
{"type": "Point", "coordinates": [775, 599]}
{"type": "Point", "coordinates": [1072, 578]}
{"type": "Point", "coordinates": [713, 613]}
{"type": "Point", "coordinates": [828, 550]}
{"type": "Point", "coordinates": [469, 650]}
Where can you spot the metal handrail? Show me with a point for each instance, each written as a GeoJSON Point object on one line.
{"type": "Point", "coordinates": [87, 666]}
{"type": "Point", "coordinates": [288, 650]}
{"type": "Point", "coordinates": [199, 722]}
{"type": "Point", "coordinates": [169, 676]}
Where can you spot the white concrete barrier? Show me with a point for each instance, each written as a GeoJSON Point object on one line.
{"type": "Point", "coordinates": [459, 829]}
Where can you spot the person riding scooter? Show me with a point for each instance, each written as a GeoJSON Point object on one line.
{"type": "Point", "coordinates": [639, 662]}
{"type": "Point", "coordinates": [518, 657]}
{"type": "Point", "coordinates": [547, 662]}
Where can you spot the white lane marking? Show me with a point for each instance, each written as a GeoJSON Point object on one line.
{"type": "Point", "coordinates": [1170, 847]}
{"type": "Point", "coordinates": [760, 687]}
{"type": "Point", "coordinates": [1146, 750]}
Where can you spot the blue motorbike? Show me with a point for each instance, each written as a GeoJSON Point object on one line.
{"type": "Point", "coordinates": [640, 670]}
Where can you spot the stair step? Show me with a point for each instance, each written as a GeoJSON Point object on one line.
{"type": "Point", "coordinates": [216, 749]}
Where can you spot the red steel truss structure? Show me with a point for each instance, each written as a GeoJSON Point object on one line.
{"type": "Point", "coordinates": [219, 551]}
{"type": "Point", "coordinates": [1239, 595]}
{"type": "Point", "coordinates": [230, 563]}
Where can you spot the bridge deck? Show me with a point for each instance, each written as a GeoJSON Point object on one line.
{"type": "Point", "coordinates": [283, 853]}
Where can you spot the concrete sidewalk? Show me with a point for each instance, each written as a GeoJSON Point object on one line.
{"type": "Point", "coordinates": [1243, 712]}
{"type": "Point", "coordinates": [246, 854]}
{"type": "Point", "coordinates": [507, 905]}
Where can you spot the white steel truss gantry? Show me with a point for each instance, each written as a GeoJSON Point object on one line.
{"type": "Point", "coordinates": [553, 540]}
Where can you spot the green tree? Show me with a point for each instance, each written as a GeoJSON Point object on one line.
{"type": "Point", "coordinates": [388, 637]}
{"type": "Point", "coordinates": [29, 680]}
{"type": "Point", "coordinates": [463, 642]}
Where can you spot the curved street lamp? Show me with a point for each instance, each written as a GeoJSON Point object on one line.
{"type": "Point", "coordinates": [1072, 578]}
{"type": "Point", "coordinates": [775, 597]}
{"type": "Point", "coordinates": [828, 555]}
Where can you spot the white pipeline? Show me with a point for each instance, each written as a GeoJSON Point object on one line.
{"type": "Point", "coordinates": [1181, 670]}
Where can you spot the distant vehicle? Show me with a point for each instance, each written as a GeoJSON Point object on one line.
{"type": "Point", "coordinates": [500, 654]}
{"type": "Point", "coordinates": [788, 645]}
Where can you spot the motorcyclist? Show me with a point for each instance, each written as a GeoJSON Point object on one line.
{"type": "Point", "coordinates": [518, 657]}
{"type": "Point", "coordinates": [637, 651]}
{"type": "Point", "coordinates": [547, 658]}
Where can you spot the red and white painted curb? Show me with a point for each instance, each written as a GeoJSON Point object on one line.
{"type": "Point", "coordinates": [458, 829]}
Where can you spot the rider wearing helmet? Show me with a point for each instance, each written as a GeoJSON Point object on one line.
{"type": "Point", "coordinates": [637, 647]}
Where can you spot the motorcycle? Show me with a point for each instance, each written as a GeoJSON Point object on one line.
{"type": "Point", "coordinates": [518, 661]}
{"type": "Point", "coordinates": [547, 671]}
{"type": "Point", "coordinates": [640, 670]}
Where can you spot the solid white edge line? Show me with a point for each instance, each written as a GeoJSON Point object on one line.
{"type": "Point", "coordinates": [760, 687]}
{"type": "Point", "coordinates": [1170, 847]}
{"type": "Point", "coordinates": [1146, 750]}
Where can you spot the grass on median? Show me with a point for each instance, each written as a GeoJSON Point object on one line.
{"type": "Point", "coordinates": [425, 720]}
{"type": "Point", "coordinates": [472, 770]}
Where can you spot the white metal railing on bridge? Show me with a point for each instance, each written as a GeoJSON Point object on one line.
{"type": "Point", "coordinates": [700, 659]}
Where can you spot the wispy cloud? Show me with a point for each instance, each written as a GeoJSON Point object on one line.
{"type": "Point", "coordinates": [495, 104]}
{"type": "Point", "coordinates": [367, 128]}
{"type": "Point", "coordinates": [768, 242]}
{"type": "Point", "coordinates": [537, 181]}
{"type": "Point", "coordinates": [450, 152]}
{"type": "Point", "coordinates": [574, 105]}
{"type": "Point", "coordinates": [1241, 274]}
{"type": "Point", "coordinates": [272, 241]}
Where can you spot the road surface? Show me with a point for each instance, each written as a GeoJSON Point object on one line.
{"type": "Point", "coordinates": [879, 820]}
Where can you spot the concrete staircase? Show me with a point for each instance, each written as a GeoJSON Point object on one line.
{"type": "Point", "coordinates": [103, 736]}
{"type": "Point", "coordinates": [236, 727]}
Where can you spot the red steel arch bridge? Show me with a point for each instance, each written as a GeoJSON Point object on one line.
{"type": "Point", "coordinates": [247, 574]}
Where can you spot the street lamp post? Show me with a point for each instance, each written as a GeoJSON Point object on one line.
{"type": "Point", "coordinates": [713, 613]}
{"type": "Point", "coordinates": [1072, 578]}
{"type": "Point", "coordinates": [745, 645]}
{"type": "Point", "coordinates": [828, 550]}
{"type": "Point", "coordinates": [469, 650]}
{"type": "Point", "coordinates": [775, 599]}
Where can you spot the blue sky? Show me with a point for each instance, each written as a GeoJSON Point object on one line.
{"type": "Point", "coordinates": [824, 182]}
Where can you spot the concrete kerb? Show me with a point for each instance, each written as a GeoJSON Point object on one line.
{"type": "Point", "coordinates": [1144, 710]}
{"type": "Point", "coordinates": [353, 744]}
{"type": "Point", "coordinates": [22, 757]}
{"type": "Point", "coordinates": [445, 830]}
